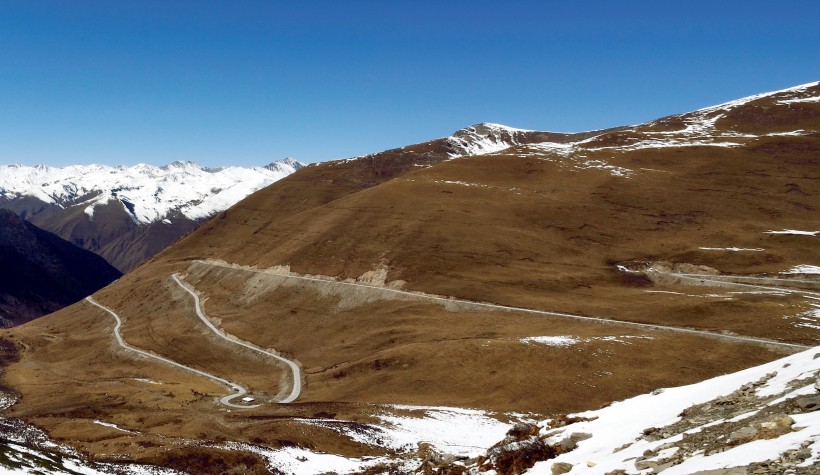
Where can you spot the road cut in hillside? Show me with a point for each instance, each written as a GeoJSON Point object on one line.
{"type": "Point", "coordinates": [294, 368]}
{"type": "Point", "coordinates": [238, 391]}
{"type": "Point", "coordinates": [793, 347]}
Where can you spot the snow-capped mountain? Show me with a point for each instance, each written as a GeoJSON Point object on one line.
{"type": "Point", "coordinates": [128, 214]}
{"type": "Point", "coordinates": [148, 193]}
{"type": "Point", "coordinates": [730, 124]}
{"type": "Point", "coordinates": [486, 138]}
{"type": "Point", "coordinates": [725, 125]}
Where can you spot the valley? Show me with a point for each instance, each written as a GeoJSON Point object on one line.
{"type": "Point", "coordinates": [358, 308]}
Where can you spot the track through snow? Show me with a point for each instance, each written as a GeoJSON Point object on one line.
{"type": "Point", "coordinates": [294, 368]}
{"type": "Point", "coordinates": [239, 391]}
{"type": "Point", "coordinates": [608, 321]}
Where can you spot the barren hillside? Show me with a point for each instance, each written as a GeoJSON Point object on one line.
{"type": "Point", "coordinates": [491, 277]}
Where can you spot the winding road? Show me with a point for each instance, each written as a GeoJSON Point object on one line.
{"type": "Point", "coordinates": [724, 280]}
{"type": "Point", "coordinates": [608, 321]}
{"type": "Point", "coordinates": [294, 368]}
{"type": "Point", "coordinates": [238, 391]}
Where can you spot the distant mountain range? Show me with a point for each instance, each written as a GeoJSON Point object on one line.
{"type": "Point", "coordinates": [128, 214]}
{"type": "Point", "coordinates": [42, 273]}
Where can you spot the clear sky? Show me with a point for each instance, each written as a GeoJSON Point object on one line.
{"type": "Point", "coordinates": [248, 82]}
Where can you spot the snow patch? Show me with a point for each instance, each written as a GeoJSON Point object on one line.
{"type": "Point", "coordinates": [482, 139]}
{"type": "Point", "coordinates": [803, 269]}
{"type": "Point", "coordinates": [114, 426]}
{"type": "Point", "coordinates": [457, 431]}
{"type": "Point", "coordinates": [451, 430]}
{"type": "Point", "coordinates": [622, 424]}
{"type": "Point", "coordinates": [733, 249]}
{"type": "Point", "coordinates": [794, 231]}
{"type": "Point", "coordinates": [800, 100]}
{"type": "Point", "coordinates": [564, 341]}
{"type": "Point", "coordinates": [559, 341]}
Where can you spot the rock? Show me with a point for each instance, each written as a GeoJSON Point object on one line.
{"type": "Point", "coordinates": [566, 445]}
{"type": "Point", "coordinates": [616, 472]}
{"type": "Point", "coordinates": [650, 430]}
{"type": "Point", "coordinates": [780, 423]}
{"type": "Point", "coordinates": [561, 467]}
{"type": "Point", "coordinates": [579, 436]}
{"type": "Point", "coordinates": [645, 464]}
{"type": "Point", "coordinates": [505, 457]}
{"type": "Point", "coordinates": [802, 454]}
{"type": "Point", "coordinates": [817, 384]}
{"type": "Point", "coordinates": [811, 403]}
{"type": "Point", "coordinates": [744, 434]}
{"type": "Point", "coordinates": [663, 466]}
{"type": "Point", "coordinates": [522, 430]}
{"type": "Point", "coordinates": [723, 471]}
{"type": "Point", "coordinates": [432, 456]}
{"type": "Point", "coordinates": [653, 465]}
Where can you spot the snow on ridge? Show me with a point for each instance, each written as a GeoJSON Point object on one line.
{"type": "Point", "coordinates": [493, 125]}
{"type": "Point", "coordinates": [700, 124]}
{"type": "Point", "coordinates": [148, 192]}
{"type": "Point", "coordinates": [745, 100]}
{"type": "Point", "coordinates": [482, 139]}
{"type": "Point", "coordinates": [800, 100]}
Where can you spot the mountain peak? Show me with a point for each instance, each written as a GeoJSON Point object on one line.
{"type": "Point", "coordinates": [486, 137]}
{"type": "Point", "coordinates": [287, 165]}
{"type": "Point", "coordinates": [491, 126]}
{"type": "Point", "coordinates": [183, 165]}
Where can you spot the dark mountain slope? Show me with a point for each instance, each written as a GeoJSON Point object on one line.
{"type": "Point", "coordinates": [42, 273]}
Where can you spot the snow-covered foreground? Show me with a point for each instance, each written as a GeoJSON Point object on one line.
{"type": "Point", "coordinates": [25, 449]}
{"type": "Point", "coordinates": [767, 415]}
{"type": "Point", "coordinates": [401, 430]}
{"type": "Point", "coordinates": [752, 416]}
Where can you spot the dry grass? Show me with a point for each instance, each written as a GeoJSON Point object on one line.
{"type": "Point", "coordinates": [533, 232]}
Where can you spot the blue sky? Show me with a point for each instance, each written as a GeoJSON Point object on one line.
{"type": "Point", "coordinates": [249, 82]}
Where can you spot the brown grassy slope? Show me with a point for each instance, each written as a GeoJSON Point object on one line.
{"type": "Point", "coordinates": [374, 346]}
{"type": "Point", "coordinates": [524, 227]}
{"type": "Point", "coordinates": [535, 233]}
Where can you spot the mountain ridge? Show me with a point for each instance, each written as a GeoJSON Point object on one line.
{"type": "Point", "coordinates": [43, 273]}
{"type": "Point", "coordinates": [531, 282]}
{"type": "Point", "coordinates": [127, 214]}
